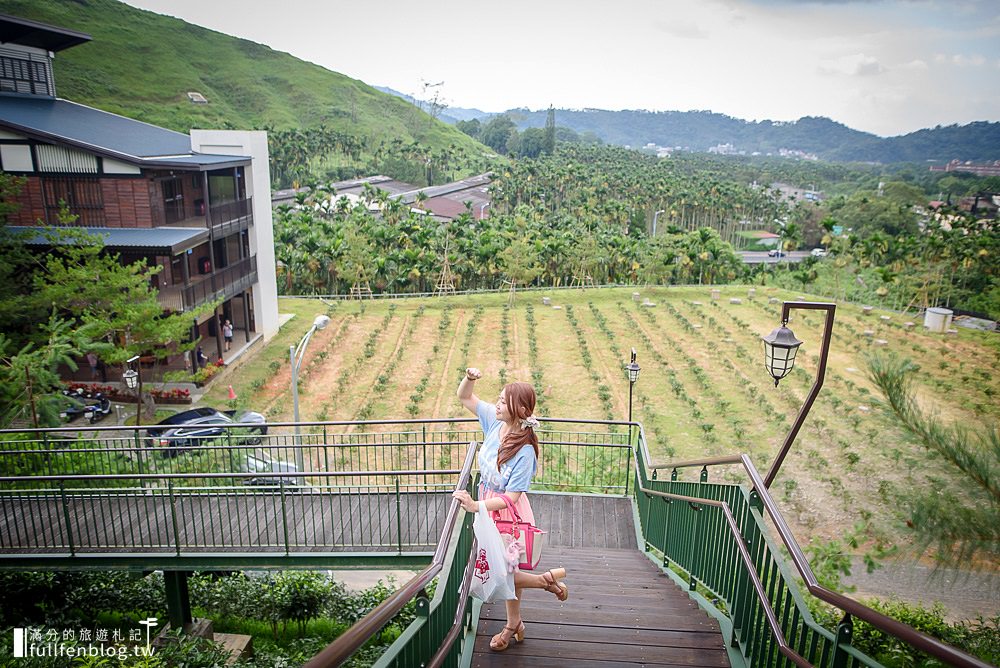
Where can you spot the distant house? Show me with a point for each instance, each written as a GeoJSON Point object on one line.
{"type": "Point", "coordinates": [983, 205]}
{"type": "Point", "coordinates": [762, 238]}
{"type": "Point", "coordinates": [988, 169]}
{"type": "Point", "coordinates": [198, 205]}
{"type": "Point", "coordinates": [444, 202]}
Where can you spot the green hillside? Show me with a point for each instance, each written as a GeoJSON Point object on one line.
{"type": "Point", "coordinates": [142, 64]}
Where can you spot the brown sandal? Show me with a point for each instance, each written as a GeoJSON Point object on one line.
{"type": "Point", "coordinates": [553, 585]}
{"type": "Point", "coordinates": [501, 641]}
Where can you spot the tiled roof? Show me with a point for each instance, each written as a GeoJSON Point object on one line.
{"type": "Point", "coordinates": [166, 240]}
{"type": "Point", "coordinates": [89, 129]}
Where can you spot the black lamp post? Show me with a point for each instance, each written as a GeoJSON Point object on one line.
{"type": "Point", "coordinates": [632, 368]}
{"type": "Point", "coordinates": [133, 381]}
{"type": "Point", "coordinates": [780, 348]}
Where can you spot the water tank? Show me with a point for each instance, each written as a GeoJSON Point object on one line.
{"type": "Point", "coordinates": [937, 320]}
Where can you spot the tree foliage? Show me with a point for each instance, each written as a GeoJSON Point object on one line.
{"type": "Point", "coordinates": [586, 211]}
{"type": "Point", "coordinates": [961, 524]}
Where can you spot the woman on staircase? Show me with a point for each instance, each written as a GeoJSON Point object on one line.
{"type": "Point", "coordinates": [507, 461]}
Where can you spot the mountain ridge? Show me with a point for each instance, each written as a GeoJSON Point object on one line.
{"type": "Point", "coordinates": [817, 135]}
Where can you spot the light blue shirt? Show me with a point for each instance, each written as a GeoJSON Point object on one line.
{"type": "Point", "coordinates": [516, 473]}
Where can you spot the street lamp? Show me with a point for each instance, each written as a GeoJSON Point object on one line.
{"type": "Point", "coordinates": [133, 381]}
{"type": "Point", "coordinates": [632, 368]}
{"type": "Point", "coordinates": [655, 216]}
{"type": "Point", "coordinates": [296, 354]}
{"type": "Point", "coordinates": [780, 348]}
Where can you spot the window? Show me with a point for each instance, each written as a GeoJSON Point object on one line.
{"type": "Point", "coordinates": [173, 200]}
{"type": "Point", "coordinates": [83, 197]}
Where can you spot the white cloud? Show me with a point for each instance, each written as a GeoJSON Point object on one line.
{"type": "Point", "coordinates": [960, 60]}
{"type": "Point", "coordinates": [857, 64]}
{"type": "Point", "coordinates": [682, 28]}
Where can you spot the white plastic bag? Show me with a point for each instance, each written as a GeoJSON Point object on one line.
{"type": "Point", "coordinates": [492, 578]}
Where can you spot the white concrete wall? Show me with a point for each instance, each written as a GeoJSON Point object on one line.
{"type": "Point", "coordinates": [258, 175]}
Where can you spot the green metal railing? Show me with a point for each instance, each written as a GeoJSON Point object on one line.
{"type": "Point", "coordinates": [27, 455]}
{"type": "Point", "coordinates": [717, 535]}
{"type": "Point", "coordinates": [435, 617]}
{"type": "Point", "coordinates": [112, 497]}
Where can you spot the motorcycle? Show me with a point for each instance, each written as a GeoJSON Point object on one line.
{"type": "Point", "coordinates": [98, 411]}
{"type": "Point", "coordinates": [79, 403]}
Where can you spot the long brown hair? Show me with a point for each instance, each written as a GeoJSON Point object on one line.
{"type": "Point", "coordinates": [520, 398]}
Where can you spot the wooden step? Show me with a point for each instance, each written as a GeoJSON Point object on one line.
{"type": "Point", "coordinates": [238, 645]}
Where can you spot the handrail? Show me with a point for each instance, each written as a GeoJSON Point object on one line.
{"type": "Point", "coordinates": [688, 463]}
{"type": "Point", "coordinates": [351, 640]}
{"type": "Point", "coordinates": [925, 643]}
{"type": "Point", "coordinates": [234, 474]}
{"type": "Point", "coordinates": [932, 646]}
{"type": "Point", "coordinates": [758, 586]}
{"type": "Point", "coordinates": [456, 627]}
{"type": "Point", "coordinates": [244, 425]}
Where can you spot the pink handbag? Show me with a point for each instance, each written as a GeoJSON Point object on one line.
{"type": "Point", "coordinates": [533, 538]}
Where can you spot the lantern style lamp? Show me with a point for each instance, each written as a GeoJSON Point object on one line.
{"type": "Point", "coordinates": [133, 382]}
{"type": "Point", "coordinates": [780, 347]}
{"type": "Point", "coordinates": [632, 369]}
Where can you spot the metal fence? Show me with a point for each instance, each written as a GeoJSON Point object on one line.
{"type": "Point", "coordinates": [376, 486]}
{"type": "Point", "coordinates": [716, 534]}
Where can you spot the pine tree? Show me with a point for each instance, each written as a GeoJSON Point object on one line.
{"type": "Point", "coordinates": [963, 524]}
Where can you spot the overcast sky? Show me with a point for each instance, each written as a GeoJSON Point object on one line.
{"type": "Point", "coordinates": [887, 67]}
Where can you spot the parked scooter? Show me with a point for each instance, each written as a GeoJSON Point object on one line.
{"type": "Point", "coordinates": [98, 411]}
{"type": "Point", "coordinates": [79, 403]}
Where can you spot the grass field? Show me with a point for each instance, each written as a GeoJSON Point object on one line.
{"type": "Point", "coordinates": [702, 391]}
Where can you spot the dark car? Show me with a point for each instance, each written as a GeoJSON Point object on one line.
{"type": "Point", "coordinates": [199, 426]}
{"type": "Point", "coordinates": [774, 252]}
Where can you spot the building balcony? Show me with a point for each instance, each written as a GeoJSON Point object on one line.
{"type": "Point", "coordinates": [223, 219]}
{"type": "Point", "coordinates": [222, 284]}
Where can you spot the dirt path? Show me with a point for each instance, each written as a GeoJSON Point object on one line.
{"type": "Point", "coordinates": [277, 387]}
{"type": "Point", "coordinates": [597, 353]}
{"type": "Point", "coordinates": [403, 334]}
{"type": "Point", "coordinates": [446, 373]}
{"type": "Point", "coordinates": [965, 594]}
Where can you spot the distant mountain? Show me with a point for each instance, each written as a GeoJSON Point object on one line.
{"type": "Point", "coordinates": [822, 137]}
{"type": "Point", "coordinates": [449, 115]}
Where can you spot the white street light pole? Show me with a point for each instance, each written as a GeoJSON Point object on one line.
{"type": "Point", "coordinates": [655, 216]}
{"type": "Point", "coordinates": [295, 354]}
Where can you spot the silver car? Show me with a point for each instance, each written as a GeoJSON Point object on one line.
{"type": "Point", "coordinates": [199, 426]}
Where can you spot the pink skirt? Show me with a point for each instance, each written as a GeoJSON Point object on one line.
{"type": "Point", "coordinates": [523, 507]}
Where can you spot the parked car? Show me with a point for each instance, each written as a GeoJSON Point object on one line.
{"type": "Point", "coordinates": [818, 252]}
{"type": "Point", "coordinates": [199, 426]}
{"type": "Point", "coordinates": [774, 252]}
{"type": "Point", "coordinates": [261, 463]}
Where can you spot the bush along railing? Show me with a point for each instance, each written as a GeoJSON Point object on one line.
{"type": "Point", "coordinates": [716, 535]}
{"type": "Point", "coordinates": [436, 617]}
